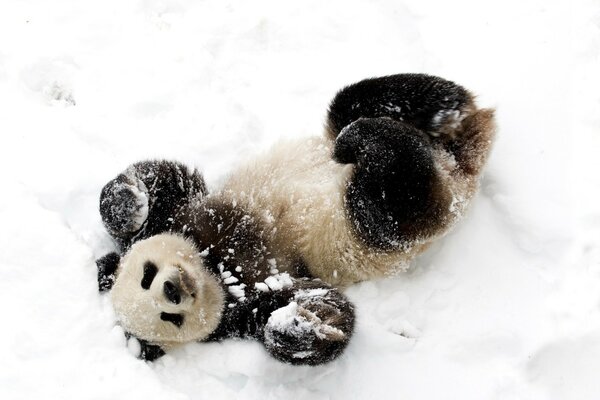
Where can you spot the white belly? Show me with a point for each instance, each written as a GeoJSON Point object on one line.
{"type": "Point", "coordinates": [298, 190]}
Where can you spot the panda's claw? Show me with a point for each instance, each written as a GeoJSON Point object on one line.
{"type": "Point", "coordinates": [323, 328]}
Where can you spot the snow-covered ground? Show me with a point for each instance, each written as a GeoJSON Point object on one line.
{"type": "Point", "coordinates": [506, 307]}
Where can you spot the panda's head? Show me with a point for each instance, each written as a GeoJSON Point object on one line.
{"type": "Point", "coordinates": [163, 293]}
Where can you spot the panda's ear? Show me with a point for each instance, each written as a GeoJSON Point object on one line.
{"type": "Point", "coordinates": [107, 268]}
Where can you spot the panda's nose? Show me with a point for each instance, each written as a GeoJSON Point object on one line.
{"type": "Point", "coordinates": [172, 292]}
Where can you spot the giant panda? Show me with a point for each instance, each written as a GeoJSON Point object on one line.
{"type": "Point", "coordinates": [266, 254]}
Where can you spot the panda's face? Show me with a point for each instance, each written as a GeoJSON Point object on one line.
{"type": "Point", "coordinates": [164, 294]}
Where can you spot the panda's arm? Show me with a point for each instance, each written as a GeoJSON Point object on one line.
{"type": "Point", "coordinates": [145, 199]}
{"type": "Point", "coordinates": [307, 323]}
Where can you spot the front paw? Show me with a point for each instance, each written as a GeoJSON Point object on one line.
{"type": "Point", "coordinates": [124, 205]}
{"type": "Point", "coordinates": [313, 329]}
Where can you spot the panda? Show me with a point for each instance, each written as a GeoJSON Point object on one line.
{"type": "Point", "coordinates": [266, 254]}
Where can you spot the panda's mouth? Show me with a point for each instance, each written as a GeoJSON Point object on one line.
{"type": "Point", "coordinates": [175, 319]}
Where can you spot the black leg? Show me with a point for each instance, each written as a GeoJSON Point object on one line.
{"type": "Point", "coordinates": [144, 200]}
{"type": "Point", "coordinates": [429, 103]}
{"type": "Point", "coordinates": [395, 195]}
{"type": "Point", "coordinates": [305, 323]}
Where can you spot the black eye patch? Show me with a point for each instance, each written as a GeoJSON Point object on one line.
{"type": "Point", "coordinates": [175, 319]}
{"type": "Point", "coordinates": [150, 271]}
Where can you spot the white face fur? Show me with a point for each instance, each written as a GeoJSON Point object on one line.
{"type": "Point", "coordinates": [164, 294]}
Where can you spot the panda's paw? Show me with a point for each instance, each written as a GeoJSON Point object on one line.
{"type": "Point", "coordinates": [377, 140]}
{"type": "Point", "coordinates": [313, 329]}
{"type": "Point", "coordinates": [429, 103]}
{"type": "Point", "coordinates": [124, 204]}
{"type": "Point", "coordinates": [395, 194]}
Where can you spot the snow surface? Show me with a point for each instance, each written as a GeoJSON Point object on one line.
{"type": "Point", "coordinates": [505, 307]}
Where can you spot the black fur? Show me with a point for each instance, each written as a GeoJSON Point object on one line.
{"type": "Point", "coordinates": [387, 126]}
{"type": "Point", "coordinates": [150, 352]}
{"type": "Point", "coordinates": [299, 347]}
{"type": "Point", "coordinates": [231, 235]}
{"type": "Point", "coordinates": [168, 185]}
{"type": "Point", "coordinates": [150, 271]}
{"type": "Point", "coordinates": [394, 195]}
{"type": "Point", "coordinates": [107, 266]}
{"type": "Point", "coordinates": [412, 98]}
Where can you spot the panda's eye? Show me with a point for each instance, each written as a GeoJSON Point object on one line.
{"type": "Point", "coordinates": [175, 319]}
{"type": "Point", "coordinates": [150, 271]}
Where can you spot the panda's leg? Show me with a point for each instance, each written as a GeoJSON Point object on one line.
{"type": "Point", "coordinates": [145, 198]}
{"type": "Point", "coordinates": [305, 322]}
{"type": "Point", "coordinates": [429, 103]}
{"type": "Point", "coordinates": [445, 111]}
{"type": "Point", "coordinates": [392, 128]}
{"type": "Point", "coordinates": [395, 194]}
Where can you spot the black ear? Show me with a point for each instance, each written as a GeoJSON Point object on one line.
{"type": "Point", "coordinates": [107, 266]}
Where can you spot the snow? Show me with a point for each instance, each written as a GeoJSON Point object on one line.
{"type": "Point", "coordinates": [276, 282]}
{"type": "Point", "coordinates": [237, 290]}
{"type": "Point", "coordinates": [308, 293]}
{"type": "Point", "coordinates": [230, 280]}
{"type": "Point", "coordinates": [295, 321]}
{"type": "Point", "coordinates": [505, 307]}
{"type": "Point", "coordinates": [261, 286]}
{"type": "Point", "coordinates": [282, 319]}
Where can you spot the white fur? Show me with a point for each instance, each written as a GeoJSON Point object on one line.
{"type": "Point", "coordinates": [299, 191]}
{"type": "Point", "coordinates": [139, 309]}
